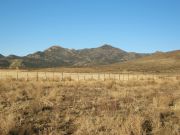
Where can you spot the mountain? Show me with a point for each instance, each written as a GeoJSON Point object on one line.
{"type": "Point", "coordinates": [104, 58]}
{"type": "Point", "coordinates": [105, 54]}
{"type": "Point", "coordinates": [13, 57]}
{"type": "Point", "coordinates": [57, 56]}
{"type": "Point", "coordinates": [51, 57]}
{"type": "Point", "coordinates": [157, 62]}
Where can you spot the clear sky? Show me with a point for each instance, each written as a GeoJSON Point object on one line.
{"type": "Point", "coordinates": [133, 25]}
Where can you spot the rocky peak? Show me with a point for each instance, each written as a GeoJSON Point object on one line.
{"type": "Point", "coordinates": [106, 46]}
{"type": "Point", "coordinates": [54, 48]}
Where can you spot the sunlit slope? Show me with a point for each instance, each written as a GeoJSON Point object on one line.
{"type": "Point", "coordinates": [158, 62]}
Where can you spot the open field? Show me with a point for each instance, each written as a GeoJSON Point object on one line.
{"type": "Point", "coordinates": [93, 107]}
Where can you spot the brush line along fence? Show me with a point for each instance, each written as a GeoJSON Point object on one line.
{"type": "Point", "coordinates": [57, 76]}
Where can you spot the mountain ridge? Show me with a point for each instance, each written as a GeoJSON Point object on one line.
{"type": "Point", "coordinates": [103, 55]}
{"type": "Point", "coordinates": [57, 56]}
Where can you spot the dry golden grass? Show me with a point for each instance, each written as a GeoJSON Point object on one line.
{"type": "Point", "coordinates": [90, 107]}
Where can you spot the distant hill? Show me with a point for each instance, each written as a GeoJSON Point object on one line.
{"type": "Point", "coordinates": [157, 62]}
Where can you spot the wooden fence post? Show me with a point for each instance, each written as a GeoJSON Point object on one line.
{"type": "Point", "coordinates": [45, 75]}
{"type": "Point", "coordinates": [53, 76]}
{"type": "Point", "coordinates": [98, 76]}
{"type": "Point", "coordinates": [70, 76]}
{"type": "Point", "coordinates": [37, 77]}
{"type": "Point", "coordinates": [17, 76]}
{"type": "Point", "coordinates": [104, 76]}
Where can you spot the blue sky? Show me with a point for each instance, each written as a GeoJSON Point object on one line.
{"type": "Point", "coordinates": [133, 25]}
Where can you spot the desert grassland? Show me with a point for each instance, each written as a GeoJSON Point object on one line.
{"type": "Point", "coordinates": [90, 107]}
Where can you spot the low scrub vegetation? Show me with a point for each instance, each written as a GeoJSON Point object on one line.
{"type": "Point", "coordinates": [91, 107]}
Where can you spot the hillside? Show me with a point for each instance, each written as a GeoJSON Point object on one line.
{"type": "Point", "coordinates": [105, 54]}
{"type": "Point", "coordinates": [157, 62]}
{"type": "Point", "coordinates": [57, 56]}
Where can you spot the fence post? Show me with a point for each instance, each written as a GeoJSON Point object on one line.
{"type": "Point", "coordinates": [104, 76]}
{"type": "Point", "coordinates": [98, 76]}
{"type": "Point", "coordinates": [45, 75]}
{"type": "Point", "coordinates": [53, 76]}
{"type": "Point", "coordinates": [128, 76]}
{"type": "Point", "coordinates": [17, 76]}
{"type": "Point", "coordinates": [37, 77]}
{"type": "Point", "coordinates": [70, 75]}
{"type": "Point", "coordinates": [109, 76]}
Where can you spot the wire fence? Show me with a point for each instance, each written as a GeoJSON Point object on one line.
{"type": "Point", "coordinates": [59, 76]}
